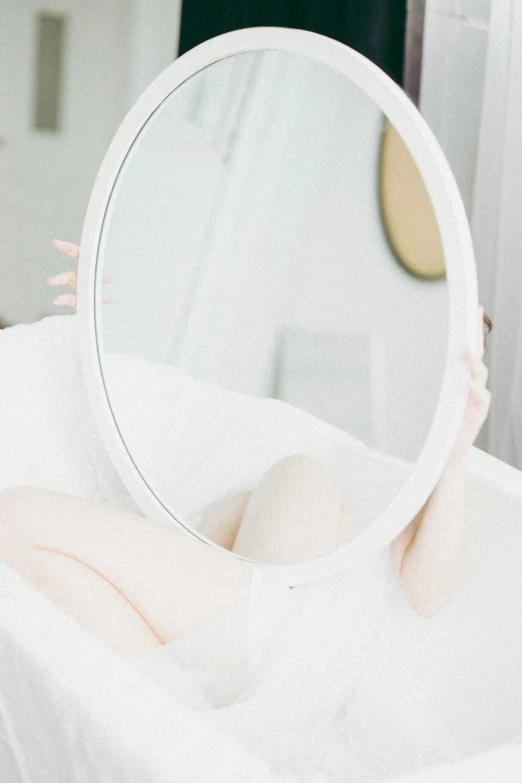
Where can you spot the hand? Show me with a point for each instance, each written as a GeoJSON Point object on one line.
{"type": "Point", "coordinates": [70, 277]}
{"type": "Point", "coordinates": [479, 397]}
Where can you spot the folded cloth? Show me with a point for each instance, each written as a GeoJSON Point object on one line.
{"type": "Point", "coordinates": [207, 668]}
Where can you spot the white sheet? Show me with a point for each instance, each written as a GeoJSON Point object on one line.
{"type": "Point", "coordinates": [203, 442]}
{"type": "Point", "coordinates": [48, 437]}
{"type": "Point", "coordinates": [348, 682]}
{"type": "Point", "coordinates": [436, 690]}
{"type": "Point", "coordinates": [71, 711]}
{"type": "Point", "coordinates": [196, 443]}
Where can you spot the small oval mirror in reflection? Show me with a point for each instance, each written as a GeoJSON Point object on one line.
{"type": "Point", "coordinates": [260, 315]}
{"type": "Point", "coordinates": [407, 212]}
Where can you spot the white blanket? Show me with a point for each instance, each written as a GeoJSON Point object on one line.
{"type": "Point", "coordinates": [435, 690]}
{"type": "Point", "coordinates": [195, 443]}
{"type": "Point", "coordinates": [48, 437]}
{"type": "Point", "coordinates": [70, 712]}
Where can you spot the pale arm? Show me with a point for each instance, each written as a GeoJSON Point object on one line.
{"type": "Point", "coordinates": [429, 557]}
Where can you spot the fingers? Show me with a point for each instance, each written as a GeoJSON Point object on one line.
{"type": "Point", "coordinates": [479, 397]}
{"type": "Point", "coordinates": [479, 400]}
{"type": "Point", "coordinates": [65, 299]}
{"type": "Point", "coordinates": [479, 371]}
{"type": "Point", "coordinates": [64, 278]}
{"type": "Point", "coordinates": [71, 278]}
{"type": "Point", "coordinates": [474, 357]}
{"type": "Point", "coordinates": [71, 301]}
{"type": "Point", "coordinates": [67, 247]}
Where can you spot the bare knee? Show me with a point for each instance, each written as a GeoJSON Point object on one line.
{"type": "Point", "coordinates": [299, 464]}
{"type": "Point", "coordinates": [306, 473]}
{"type": "Point", "coordinates": [294, 514]}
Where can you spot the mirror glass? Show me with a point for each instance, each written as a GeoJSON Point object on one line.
{"type": "Point", "coordinates": [260, 310]}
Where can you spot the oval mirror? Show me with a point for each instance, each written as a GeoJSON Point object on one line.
{"type": "Point", "coordinates": [259, 310]}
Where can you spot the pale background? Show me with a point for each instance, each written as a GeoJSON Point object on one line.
{"type": "Point", "coordinates": [469, 94]}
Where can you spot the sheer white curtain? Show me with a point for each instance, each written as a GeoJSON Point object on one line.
{"type": "Point", "coordinates": [497, 225]}
{"type": "Point", "coordinates": [471, 95]}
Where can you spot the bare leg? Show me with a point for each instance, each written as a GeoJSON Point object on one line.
{"type": "Point", "coordinates": [82, 593]}
{"type": "Point", "coordinates": [296, 513]}
{"type": "Point", "coordinates": [173, 583]}
{"type": "Point", "coordinates": [224, 519]}
{"type": "Point", "coordinates": [138, 585]}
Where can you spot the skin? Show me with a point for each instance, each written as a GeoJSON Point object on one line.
{"type": "Point", "coordinates": [429, 556]}
{"type": "Point", "coordinates": [138, 585]}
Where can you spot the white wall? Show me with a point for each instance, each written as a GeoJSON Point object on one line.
{"type": "Point", "coordinates": [112, 51]}
{"type": "Point", "coordinates": [153, 44]}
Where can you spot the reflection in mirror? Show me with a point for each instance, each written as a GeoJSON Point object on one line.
{"type": "Point", "coordinates": [407, 213]}
{"type": "Point", "coordinates": [259, 311]}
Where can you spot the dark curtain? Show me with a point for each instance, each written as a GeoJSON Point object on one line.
{"type": "Point", "coordinates": [375, 28]}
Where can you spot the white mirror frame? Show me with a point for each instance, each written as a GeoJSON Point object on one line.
{"type": "Point", "coordinates": [460, 266]}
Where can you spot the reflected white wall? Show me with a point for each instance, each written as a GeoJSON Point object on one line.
{"type": "Point", "coordinates": [258, 172]}
{"type": "Point", "coordinates": [411, 318]}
